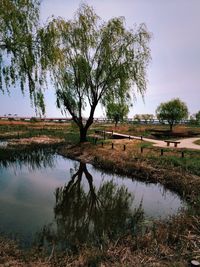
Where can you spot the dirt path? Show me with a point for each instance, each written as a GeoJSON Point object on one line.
{"type": "Point", "coordinates": [184, 143]}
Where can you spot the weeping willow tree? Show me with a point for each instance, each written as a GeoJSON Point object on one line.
{"type": "Point", "coordinates": [87, 59]}
{"type": "Point", "coordinates": [20, 53]}
{"type": "Point", "coordinates": [96, 59]}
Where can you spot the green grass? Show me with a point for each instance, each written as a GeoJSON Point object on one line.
{"type": "Point", "coordinates": [69, 133]}
{"type": "Point", "coordinates": [145, 144]}
{"type": "Point", "coordinates": [188, 164]}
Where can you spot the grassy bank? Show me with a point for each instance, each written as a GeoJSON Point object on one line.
{"type": "Point", "coordinates": [171, 243]}
{"type": "Point", "coordinates": [174, 172]}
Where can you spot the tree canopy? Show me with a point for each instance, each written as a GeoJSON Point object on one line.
{"type": "Point", "coordinates": [117, 111]}
{"type": "Point", "coordinates": [20, 48]}
{"type": "Point", "coordinates": [96, 59]}
{"type": "Point", "coordinates": [117, 106]}
{"type": "Point", "coordinates": [87, 59]}
{"type": "Point", "coordinates": [172, 111]}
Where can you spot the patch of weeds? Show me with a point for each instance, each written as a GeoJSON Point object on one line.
{"type": "Point", "coordinates": [72, 137]}
{"type": "Point", "coordinates": [145, 144]}
{"type": "Point", "coordinates": [191, 165]}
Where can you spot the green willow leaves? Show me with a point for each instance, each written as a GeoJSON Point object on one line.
{"type": "Point", "coordinates": [97, 59]}
{"type": "Point", "coordinates": [87, 59]}
{"type": "Point", "coordinates": [19, 48]}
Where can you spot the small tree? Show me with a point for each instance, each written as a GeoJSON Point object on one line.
{"type": "Point", "coordinates": [117, 111]}
{"type": "Point", "coordinates": [172, 112]}
{"type": "Point", "coordinates": [95, 60]}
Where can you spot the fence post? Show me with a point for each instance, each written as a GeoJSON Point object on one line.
{"type": "Point", "coordinates": [141, 149]}
{"type": "Point", "coordinates": [124, 147]}
{"type": "Point", "coordinates": [129, 137]}
{"type": "Point", "coordinates": [161, 152]}
{"type": "Point", "coordinates": [112, 145]}
{"type": "Point", "coordinates": [141, 138]}
{"type": "Point", "coordinates": [102, 144]}
{"type": "Point", "coordinates": [182, 154]}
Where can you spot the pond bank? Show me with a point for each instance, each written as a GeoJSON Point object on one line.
{"type": "Point", "coordinates": [187, 185]}
{"type": "Point", "coordinates": [172, 243]}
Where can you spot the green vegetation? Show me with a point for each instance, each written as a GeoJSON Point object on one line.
{"type": "Point", "coordinates": [88, 59]}
{"type": "Point", "coordinates": [173, 112]}
{"type": "Point", "coordinates": [63, 131]}
{"type": "Point", "coordinates": [98, 60]}
{"type": "Point", "coordinates": [190, 163]}
{"type": "Point", "coordinates": [116, 111]}
{"type": "Point", "coordinates": [20, 48]}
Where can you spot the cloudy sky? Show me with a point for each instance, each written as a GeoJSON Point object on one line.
{"type": "Point", "coordinates": [175, 50]}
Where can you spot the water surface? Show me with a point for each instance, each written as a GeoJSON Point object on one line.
{"type": "Point", "coordinates": [44, 196]}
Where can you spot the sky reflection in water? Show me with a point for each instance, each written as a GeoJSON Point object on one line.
{"type": "Point", "coordinates": [76, 198]}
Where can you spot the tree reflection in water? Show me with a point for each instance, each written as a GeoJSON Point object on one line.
{"type": "Point", "coordinates": [92, 216]}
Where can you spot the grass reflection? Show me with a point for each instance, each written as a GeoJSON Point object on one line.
{"type": "Point", "coordinates": [32, 158]}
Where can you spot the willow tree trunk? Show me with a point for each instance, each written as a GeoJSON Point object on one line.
{"type": "Point", "coordinates": [84, 128]}
{"type": "Point", "coordinates": [83, 134]}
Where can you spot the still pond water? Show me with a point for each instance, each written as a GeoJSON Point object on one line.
{"type": "Point", "coordinates": [44, 196]}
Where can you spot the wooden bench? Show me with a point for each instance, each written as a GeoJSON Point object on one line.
{"type": "Point", "coordinates": [173, 142]}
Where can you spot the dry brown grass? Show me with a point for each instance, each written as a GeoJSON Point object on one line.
{"type": "Point", "coordinates": [13, 133]}
{"type": "Point", "coordinates": [28, 123]}
{"type": "Point", "coordinates": [172, 244]}
{"type": "Point", "coordinates": [35, 140]}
